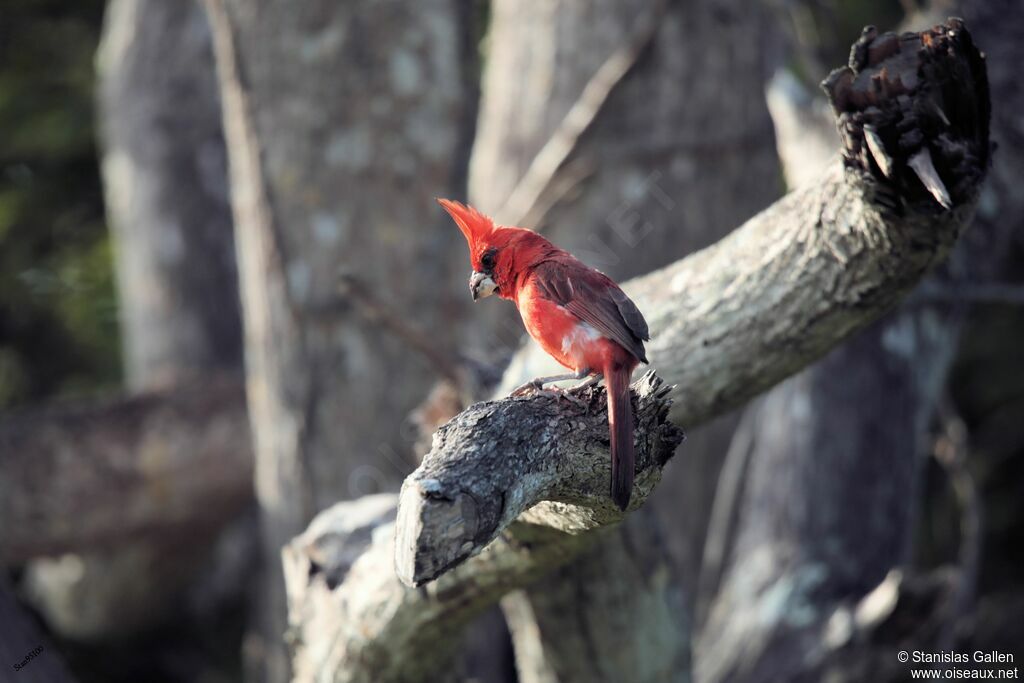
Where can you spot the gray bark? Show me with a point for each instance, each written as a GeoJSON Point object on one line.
{"type": "Point", "coordinates": [741, 315]}
{"type": "Point", "coordinates": [494, 462]}
{"type": "Point", "coordinates": [344, 121]}
{"type": "Point", "coordinates": [165, 179]}
{"type": "Point", "coordinates": [352, 617]}
{"type": "Point", "coordinates": [827, 506]}
{"type": "Point", "coordinates": [600, 125]}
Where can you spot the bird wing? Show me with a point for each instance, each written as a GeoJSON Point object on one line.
{"type": "Point", "coordinates": [595, 299]}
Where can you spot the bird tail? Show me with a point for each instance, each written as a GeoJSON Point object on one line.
{"type": "Point", "coordinates": [620, 428]}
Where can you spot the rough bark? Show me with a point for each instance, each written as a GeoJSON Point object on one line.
{"type": "Point", "coordinates": [827, 505]}
{"type": "Point", "coordinates": [352, 617]}
{"type": "Point", "coordinates": [874, 237]}
{"type": "Point", "coordinates": [165, 177]}
{"type": "Point", "coordinates": [494, 462]}
{"type": "Point", "coordinates": [344, 121]}
{"type": "Point", "coordinates": [631, 133]}
{"type": "Point", "coordinates": [62, 463]}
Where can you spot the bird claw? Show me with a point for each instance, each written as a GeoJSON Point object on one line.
{"type": "Point", "coordinates": [537, 389]}
{"type": "Point", "coordinates": [564, 394]}
{"type": "Point", "coordinates": [589, 382]}
{"type": "Point", "coordinates": [531, 387]}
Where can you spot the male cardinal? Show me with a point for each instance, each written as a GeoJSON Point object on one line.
{"type": "Point", "coordinates": [577, 314]}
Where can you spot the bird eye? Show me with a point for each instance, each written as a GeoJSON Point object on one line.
{"type": "Point", "coordinates": [487, 260]}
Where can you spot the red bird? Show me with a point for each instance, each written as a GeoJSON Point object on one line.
{"type": "Point", "coordinates": [577, 314]}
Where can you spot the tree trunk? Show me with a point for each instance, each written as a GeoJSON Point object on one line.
{"type": "Point", "coordinates": [835, 459]}
{"type": "Point", "coordinates": [658, 87]}
{"type": "Point", "coordinates": [344, 121]}
{"type": "Point", "coordinates": [165, 176]}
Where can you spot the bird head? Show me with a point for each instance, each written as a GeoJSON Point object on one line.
{"type": "Point", "coordinates": [498, 254]}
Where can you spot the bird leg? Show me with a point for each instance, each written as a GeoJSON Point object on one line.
{"type": "Point", "coordinates": [537, 386]}
{"type": "Point", "coordinates": [537, 383]}
{"type": "Point", "coordinates": [591, 381]}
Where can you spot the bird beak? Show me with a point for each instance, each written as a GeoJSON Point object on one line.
{"type": "Point", "coordinates": [481, 285]}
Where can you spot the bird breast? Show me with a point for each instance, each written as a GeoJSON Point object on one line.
{"type": "Point", "coordinates": [579, 340]}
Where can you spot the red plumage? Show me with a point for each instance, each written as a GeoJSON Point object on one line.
{"type": "Point", "coordinates": [577, 314]}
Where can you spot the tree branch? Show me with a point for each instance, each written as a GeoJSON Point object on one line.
{"type": "Point", "coordinates": [727, 322]}
{"type": "Point", "coordinates": [736, 318]}
{"type": "Point", "coordinates": [497, 460]}
{"type": "Point", "coordinates": [351, 619]}
{"type": "Point", "coordinates": [805, 132]}
{"type": "Point", "coordinates": [339, 572]}
{"type": "Point", "coordinates": [524, 206]}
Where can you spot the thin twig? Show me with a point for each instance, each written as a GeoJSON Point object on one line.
{"type": "Point", "coordinates": [446, 364]}
{"type": "Point", "coordinates": [524, 206]}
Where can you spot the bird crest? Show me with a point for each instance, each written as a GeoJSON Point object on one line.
{"type": "Point", "coordinates": [475, 226]}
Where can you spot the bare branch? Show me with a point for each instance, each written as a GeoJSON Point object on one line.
{"type": "Point", "coordinates": [738, 317]}
{"type": "Point", "coordinates": [524, 205]}
{"type": "Point", "coordinates": [497, 460]}
{"type": "Point", "coordinates": [443, 361]}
